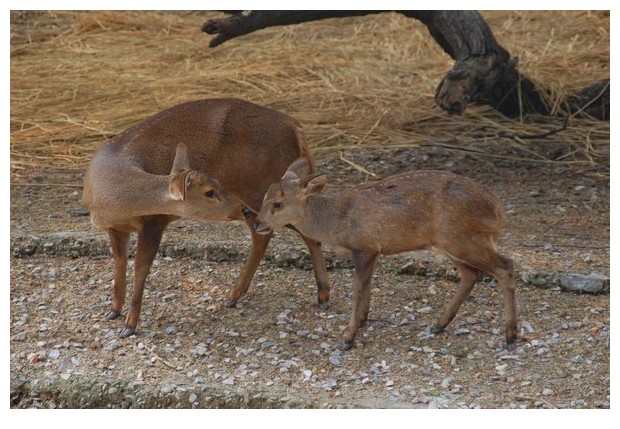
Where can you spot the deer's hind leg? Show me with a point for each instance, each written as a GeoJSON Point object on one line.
{"type": "Point", "coordinates": [484, 258]}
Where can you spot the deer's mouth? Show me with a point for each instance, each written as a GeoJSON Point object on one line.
{"type": "Point", "coordinates": [261, 228]}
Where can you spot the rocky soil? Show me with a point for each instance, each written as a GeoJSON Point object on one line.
{"type": "Point", "coordinates": [278, 349]}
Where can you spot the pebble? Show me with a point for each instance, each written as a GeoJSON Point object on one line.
{"type": "Point", "coordinates": [170, 330]}
{"type": "Point", "coordinates": [590, 283]}
{"type": "Point", "coordinates": [335, 359]}
{"type": "Point", "coordinates": [54, 354]}
{"type": "Point", "coordinates": [445, 383]}
{"type": "Point", "coordinates": [111, 346]}
{"type": "Point", "coordinates": [307, 373]}
{"type": "Point", "coordinates": [199, 350]}
{"type": "Point", "coordinates": [526, 327]}
{"type": "Point", "coordinates": [267, 344]}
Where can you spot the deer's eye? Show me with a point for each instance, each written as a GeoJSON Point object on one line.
{"type": "Point", "coordinates": [210, 194]}
{"type": "Point", "coordinates": [277, 205]}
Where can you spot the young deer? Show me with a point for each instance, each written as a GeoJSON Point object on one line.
{"type": "Point", "coordinates": [127, 186]}
{"type": "Point", "coordinates": [409, 211]}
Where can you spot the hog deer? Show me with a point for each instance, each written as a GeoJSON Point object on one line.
{"type": "Point", "coordinates": [409, 211]}
{"type": "Point", "coordinates": [140, 181]}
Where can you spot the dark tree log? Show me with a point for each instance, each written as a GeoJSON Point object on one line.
{"type": "Point", "coordinates": [483, 71]}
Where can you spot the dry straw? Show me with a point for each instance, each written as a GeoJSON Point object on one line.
{"type": "Point", "coordinates": [78, 78]}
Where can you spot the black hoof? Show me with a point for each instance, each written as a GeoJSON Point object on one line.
{"type": "Point", "coordinates": [345, 346]}
{"type": "Point", "coordinates": [510, 345]}
{"type": "Point", "coordinates": [112, 314]}
{"type": "Point", "coordinates": [437, 329]}
{"type": "Point", "coordinates": [231, 304]}
{"type": "Point", "coordinates": [325, 305]}
{"type": "Point", "coordinates": [127, 332]}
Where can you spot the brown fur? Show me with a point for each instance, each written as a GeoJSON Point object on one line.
{"type": "Point", "coordinates": [409, 211]}
{"type": "Point", "coordinates": [244, 146]}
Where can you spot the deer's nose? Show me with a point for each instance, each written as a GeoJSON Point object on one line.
{"type": "Point", "coordinates": [247, 213]}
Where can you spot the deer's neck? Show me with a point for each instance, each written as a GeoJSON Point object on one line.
{"type": "Point", "coordinates": [324, 215]}
{"type": "Point", "coordinates": [128, 195]}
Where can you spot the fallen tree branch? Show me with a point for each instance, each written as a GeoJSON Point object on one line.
{"type": "Point", "coordinates": [483, 71]}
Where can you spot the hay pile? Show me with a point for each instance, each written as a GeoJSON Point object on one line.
{"type": "Point", "coordinates": [78, 78]}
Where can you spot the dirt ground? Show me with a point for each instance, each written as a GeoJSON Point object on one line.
{"type": "Point", "coordinates": [277, 349]}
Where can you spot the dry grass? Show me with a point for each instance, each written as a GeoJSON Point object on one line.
{"type": "Point", "coordinates": [78, 78]}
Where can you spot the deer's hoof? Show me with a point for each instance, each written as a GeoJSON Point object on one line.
{"type": "Point", "coordinates": [437, 329]}
{"type": "Point", "coordinates": [510, 345]}
{"type": "Point", "coordinates": [325, 305]}
{"type": "Point", "coordinates": [127, 332]}
{"type": "Point", "coordinates": [112, 314]}
{"type": "Point", "coordinates": [344, 346]}
{"type": "Point", "coordinates": [231, 303]}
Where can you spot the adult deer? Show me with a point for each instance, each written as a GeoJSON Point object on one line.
{"type": "Point", "coordinates": [128, 186]}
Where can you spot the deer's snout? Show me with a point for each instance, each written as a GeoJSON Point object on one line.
{"type": "Point", "coordinates": [247, 213]}
{"type": "Point", "coordinates": [260, 227]}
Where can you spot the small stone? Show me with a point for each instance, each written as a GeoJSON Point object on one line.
{"type": "Point", "coordinates": [526, 327]}
{"type": "Point", "coordinates": [111, 346]}
{"type": "Point", "coordinates": [54, 354]}
{"type": "Point", "coordinates": [170, 330]}
{"type": "Point", "coordinates": [446, 382]}
{"type": "Point", "coordinates": [192, 398]}
{"type": "Point", "coordinates": [576, 359]}
{"type": "Point", "coordinates": [307, 373]}
{"type": "Point", "coordinates": [425, 310]}
{"type": "Point", "coordinates": [20, 337]}
{"type": "Point", "coordinates": [335, 359]}
{"type": "Point", "coordinates": [200, 350]}
{"type": "Point", "coordinates": [287, 364]}
{"type": "Point", "coordinates": [589, 283]}
{"type": "Point", "coordinates": [267, 344]}
{"type": "Point", "coordinates": [547, 392]}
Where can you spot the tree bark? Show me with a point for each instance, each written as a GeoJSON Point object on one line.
{"type": "Point", "coordinates": [483, 71]}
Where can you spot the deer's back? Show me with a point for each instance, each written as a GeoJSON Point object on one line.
{"type": "Point", "coordinates": [245, 146]}
{"type": "Point", "coordinates": [422, 205]}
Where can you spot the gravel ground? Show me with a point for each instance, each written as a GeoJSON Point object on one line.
{"type": "Point", "coordinates": [278, 349]}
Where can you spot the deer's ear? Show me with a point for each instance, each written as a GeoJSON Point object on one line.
{"type": "Point", "coordinates": [180, 159]}
{"type": "Point", "coordinates": [299, 168]}
{"type": "Point", "coordinates": [290, 175]}
{"type": "Point", "coordinates": [178, 185]}
{"type": "Point", "coordinates": [315, 184]}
